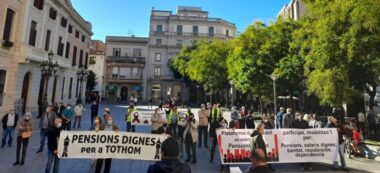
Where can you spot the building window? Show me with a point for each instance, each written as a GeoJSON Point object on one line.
{"type": "Point", "coordinates": [67, 50]}
{"type": "Point", "coordinates": [83, 38]}
{"type": "Point", "coordinates": [179, 29]}
{"type": "Point", "coordinates": [159, 28]}
{"type": "Point", "coordinates": [179, 42]}
{"type": "Point", "coordinates": [70, 87]}
{"type": "Point", "coordinates": [157, 71]}
{"type": "Point", "coordinates": [70, 30]}
{"type": "Point", "coordinates": [77, 33]}
{"type": "Point", "coordinates": [92, 60]}
{"type": "Point", "coordinates": [47, 40]}
{"type": "Point", "coordinates": [158, 41]}
{"type": "Point", "coordinates": [63, 22]}
{"type": "Point", "coordinates": [60, 47]}
{"type": "Point", "coordinates": [53, 13]}
{"type": "Point", "coordinates": [39, 4]}
{"type": "Point", "coordinates": [63, 87]}
{"type": "Point", "coordinates": [116, 52]}
{"type": "Point", "coordinates": [210, 31]}
{"type": "Point", "coordinates": [8, 25]}
{"type": "Point", "coordinates": [136, 52]}
{"type": "Point", "coordinates": [86, 61]}
{"type": "Point", "coordinates": [195, 30]}
{"type": "Point", "coordinates": [157, 57]}
{"type": "Point", "coordinates": [227, 33]}
{"type": "Point", "coordinates": [33, 33]}
{"type": "Point", "coordinates": [115, 72]}
{"type": "Point", "coordinates": [74, 62]}
{"type": "Point", "coordinates": [77, 89]}
{"type": "Point", "coordinates": [81, 58]}
{"type": "Point", "coordinates": [3, 74]}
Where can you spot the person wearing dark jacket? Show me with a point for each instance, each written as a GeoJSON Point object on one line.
{"type": "Point", "coordinates": [299, 123]}
{"type": "Point", "coordinates": [9, 124]}
{"type": "Point", "coordinates": [258, 160]}
{"type": "Point", "coordinates": [169, 159]}
{"type": "Point", "coordinates": [94, 111]}
{"type": "Point", "coordinates": [24, 133]}
{"type": "Point", "coordinates": [61, 109]}
{"type": "Point", "coordinates": [336, 124]}
{"type": "Point", "coordinates": [46, 123]}
{"type": "Point", "coordinates": [257, 141]}
{"type": "Point", "coordinates": [53, 137]}
{"type": "Point", "coordinates": [249, 121]}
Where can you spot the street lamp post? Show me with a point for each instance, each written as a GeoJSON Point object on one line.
{"type": "Point", "coordinates": [82, 76]}
{"type": "Point", "coordinates": [48, 69]}
{"type": "Point", "coordinates": [273, 77]}
{"type": "Point", "coordinates": [232, 92]}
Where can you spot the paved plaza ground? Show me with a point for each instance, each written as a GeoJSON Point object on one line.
{"type": "Point", "coordinates": [35, 163]}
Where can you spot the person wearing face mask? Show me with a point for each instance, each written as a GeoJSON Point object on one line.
{"type": "Point", "coordinates": [78, 109]}
{"type": "Point", "coordinates": [300, 123]}
{"type": "Point", "coordinates": [53, 138]}
{"type": "Point", "coordinates": [267, 124]}
{"type": "Point", "coordinates": [97, 126]}
{"type": "Point", "coordinates": [24, 133]}
{"type": "Point", "coordinates": [9, 124]}
{"type": "Point", "coordinates": [67, 115]}
{"type": "Point", "coordinates": [191, 136]}
{"type": "Point", "coordinates": [109, 126]}
{"type": "Point", "coordinates": [203, 125]}
{"type": "Point", "coordinates": [156, 121]}
{"type": "Point", "coordinates": [106, 113]}
{"type": "Point", "coordinates": [181, 128]}
{"type": "Point", "coordinates": [46, 122]}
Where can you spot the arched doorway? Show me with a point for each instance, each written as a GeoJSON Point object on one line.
{"type": "Point", "coordinates": [124, 94]}
{"type": "Point", "coordinates": [25, 91]}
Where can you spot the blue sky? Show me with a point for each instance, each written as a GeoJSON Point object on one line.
{"type": "Point", "coordinates": [125, 17]}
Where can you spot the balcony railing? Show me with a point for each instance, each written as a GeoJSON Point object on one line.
{"type": "Point", "coordinates": [125, 59]}
{"type": "Point", "coordinates": [191, 18]}
{"type": "Point", "coordinates": [122, 78]}
{"type": "Point", "coordinates": [192, 34]}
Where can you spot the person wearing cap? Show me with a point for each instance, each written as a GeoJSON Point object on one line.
{"type": "Point", "coordinates": [46, 122]}
{"type": "Point", "coordinates": [279, 117]}
{"type": "Point", "coordinates": [169, 159]}
{"type": "Point", "coordinates": [24, 133]}
{"type": "Point", "coordinates": [334, 123]}
{"type": "Point", "coordinates": [67, 115]}
{"type": "Point", "coordinates": [258, 160]}
{"type": "Point", "coordinates": [9, 124]}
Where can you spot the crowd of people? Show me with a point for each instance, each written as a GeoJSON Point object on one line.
{"type": "Point", "coordinates": [185, 131]}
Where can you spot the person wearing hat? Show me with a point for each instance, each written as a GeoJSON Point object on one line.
{"type": "Point", "coordinates": [9, 124]}
{"type": "Point", "coordinates": [169, 159]}
{"type": "Point", "coordinates": [279, 117]}
{"type": "Point", "coordinates": [24, 133]}
{"type": "Point", "coordinates": [67, 115]}
{"type": "Point", "coordinates": [334, 123]}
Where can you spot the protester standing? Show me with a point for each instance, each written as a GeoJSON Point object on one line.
{"type": "Point", "coordinates": [78, 115]}
{"type": "Point", "coordinates": [287, 118]}
{"type": "Point", "coordinates": [300, 123]}
{"type": "Point", "coordinates": [257, 141]}
{"type": "Point", "coordinates": [182, 121]}
{"type": "Point", "coordinates": [128, 118]}
{"type": "Point", "coordinates": [169, 159]}
{"type": "Point", "coordinates": [242, 118]}
{"type": "Point", "coordinates": [336, 124]}
{"type": "Point", "coordinates": [266, 121]}
{"type": "Point", "coordinates": [53, 137]}
{"type": "Point", "coordinates": [235, 118]}
{"type": "Point", "coordinates": [24, 133]}
{"type": "Point", "coordinates": [61, 109]}
{"type": "Point", "coordinates": [279, 117]}
{"type": "Point", "coordinates": [106, 113]}
{"type": "Point", "coordinates": [361, 123]}
{"type": "Point", "coordinates": [9, 124]}
{"type": "Point", "coordinates": [67, 115]}
{"type": "Point", "coordinates": [173, 120]}
{"type": "Point", "coordinates": [109, 126]}
{"type": "Point", "coordinates": [46, 123]}
{"type": "Point", "coordinates": [191, 135]}
{"type": "Point", "coordinates": [94, 111]}
{"type": "Point", "coordinates": [203, 125]}
{"type": "Point", "coordinates": [371, 117]}
{"type": "Point", "coordinates": [249, 121]}
{"type": "Point", "coordinates": [156, 121]}
{"type": "Point", "coordinates": [258, 160]}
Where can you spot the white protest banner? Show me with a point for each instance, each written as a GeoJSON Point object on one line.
{"type": "Point", "coordinates": [282, 145]}
{"type": "Point", "coordinates": [142, 118]}
{"type": "Point", "coordinates": [109, 144]}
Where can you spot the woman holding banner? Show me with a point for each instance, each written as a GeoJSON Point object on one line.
{"type": "Point", "coordinates": [156, 121]}
{"type": "Point", "coordinates": [109, 126]}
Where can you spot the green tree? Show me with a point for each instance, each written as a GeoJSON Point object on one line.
{"type": "Point", "coordinates": [342, 58]}
{"type": "Point", "coordinates": [91, 81]}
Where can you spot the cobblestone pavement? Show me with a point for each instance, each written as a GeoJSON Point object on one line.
{"type": "Point", "coordinates": [35, 163]}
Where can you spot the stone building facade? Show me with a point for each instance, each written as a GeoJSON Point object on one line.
{"type": "Point", "coordinates": [97, 64]}
{"type": "Point", "coordinates": [36, 28]}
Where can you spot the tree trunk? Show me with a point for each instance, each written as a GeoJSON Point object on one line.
{"type": "Point", "coordinates": [372, 94]}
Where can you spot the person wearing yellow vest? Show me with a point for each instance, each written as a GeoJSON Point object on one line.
{"type": "Point", "coordinates": [128, 118]}
{"type": "Point", "coordinates": [216, 113]}
{"type": "Point", "coordinates": [173, 120]}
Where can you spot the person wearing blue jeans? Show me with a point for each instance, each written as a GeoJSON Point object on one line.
{"type": "Point", "coordinates": [9, 124]}
{"type": "Point", "coordinates": [46, 122]}
{"type": "Point", "coordinates": [53, 136]}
